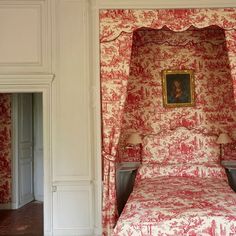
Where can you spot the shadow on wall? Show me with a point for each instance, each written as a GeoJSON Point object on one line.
{"type": "Point", "coordinates": [202, 50]}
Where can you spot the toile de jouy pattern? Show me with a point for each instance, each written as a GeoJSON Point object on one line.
{"type": "Point", "coordinates": [171, 198]}
{"type": "Point", "coordinates": [179, 206]}
{"type": "Point", "coordinates": [202, 50]}
{"type": "Point", "coordinates": [135, 46]}
{"type": "Point", "coordinates": [180, 146]}
{"type": "Point", "coordinates": [5, 151]}
{"type": "Point", "coordinates": [181, 170]}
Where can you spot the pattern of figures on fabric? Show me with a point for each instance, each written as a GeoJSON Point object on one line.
{"type": "Point", "coordinates": [199, 50]}
{"type": "Point", "coordinates": [116, 34]}
{"type": "Point", "coordinates": [5, 152]}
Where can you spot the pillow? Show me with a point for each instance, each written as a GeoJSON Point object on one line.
{"type": "Point", "coordinates": [180, 146]}
{"type": "Point", "coordinates": [211, 170]}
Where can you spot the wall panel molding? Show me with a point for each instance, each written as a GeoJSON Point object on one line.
{"type": "Point", "coordinates": [25, 44]}
{"type": "Point", "coordinates": [74, 200]}
{"type": "Point", "coordinates": [73, 150]}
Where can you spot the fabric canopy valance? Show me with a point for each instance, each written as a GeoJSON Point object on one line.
{"type": "Point", "coordinates": [114, 22]}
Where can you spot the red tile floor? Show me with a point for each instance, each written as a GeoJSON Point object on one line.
{"type": "Point", "coordinates": [27, 221]}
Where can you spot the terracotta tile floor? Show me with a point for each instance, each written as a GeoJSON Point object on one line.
{"type": "Point", "coordinates": [27, 220]}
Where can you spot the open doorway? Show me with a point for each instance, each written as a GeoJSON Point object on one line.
{"type": "Point", "coordinates": [27, 148]}
{"type": "Point", "coordinates": [26, 158]}
{"type": "Point", "coordinates": [38, 84]}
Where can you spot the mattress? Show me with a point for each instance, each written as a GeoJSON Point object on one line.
{"type": "Point", "coordinates": [183, 204]}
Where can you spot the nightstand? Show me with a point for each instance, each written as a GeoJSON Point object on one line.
{"type": "Point", "coordinates": [125, 177]}
{"type": "Point", "coordinates": [230, 168]}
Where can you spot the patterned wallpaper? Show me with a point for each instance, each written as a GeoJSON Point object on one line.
{"type": "Point", "coordinates": [5, 151]}
{"type": "Point", "coordinates": [202, 50]}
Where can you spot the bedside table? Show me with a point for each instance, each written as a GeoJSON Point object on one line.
{"type": "Point", "coordinates": [230, 168]}
{"type": "Point", "coordinates": [125, 177]}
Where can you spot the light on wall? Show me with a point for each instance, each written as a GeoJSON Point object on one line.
{"type": "Point", "coordinates": [133, 140]}
{"type": "Point", "coordinates": [223, 139]}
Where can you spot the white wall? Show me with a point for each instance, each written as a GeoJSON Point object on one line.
{"type": "Point", "coordinates": [43, 37]}
{"type": "Point", "coordinates": [72, 175]}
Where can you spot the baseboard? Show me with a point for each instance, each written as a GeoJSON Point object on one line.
{"type": "Point", "coordinates": [68, 232]}
{"type": "Point", "coordinates": [5, 206]}
{"type": "Point", "coordinates": [14, 206]}
{"type": "Point", "coordinates": [38, 198]}
{"type": "Point", "coordinates": [47, 233]}
{"type": "Point", "coordinates": [97, 231]}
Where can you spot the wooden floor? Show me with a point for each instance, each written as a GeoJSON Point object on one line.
{"type": "Point", "coordinates": [27, 220]}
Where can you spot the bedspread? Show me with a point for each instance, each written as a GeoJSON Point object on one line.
{"type": "Point", "coordinates": [174, 206]}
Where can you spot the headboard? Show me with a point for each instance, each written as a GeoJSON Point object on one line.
{"type": "Point", "coordinates": [180, 146]}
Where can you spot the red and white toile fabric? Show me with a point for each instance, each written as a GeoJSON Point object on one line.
{"type": "Point", "coordinates": [116, 34]}
{"type": "Point", "coordinates": [114, 76]}
{"type": "Point", "coordinates": [181, 170]}
{"type": "Point", "coordinates": [114, 22]}
{"type": "Point", "coordinates": [5, 151]}
{"type": "Point", "coordinates": [180, 146]}
{"type": "Point", "coordinates": [179, 204]}
{"type": "Point", "coordinates": [205, 52]}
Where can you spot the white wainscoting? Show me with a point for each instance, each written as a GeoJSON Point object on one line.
{"type": "Point", "coordinates": [24, 37]}
{"type": "Point", "coordinates": [73, 211]}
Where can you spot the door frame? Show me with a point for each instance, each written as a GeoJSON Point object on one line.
{"type": "Point", "coordinates": [37, 84]}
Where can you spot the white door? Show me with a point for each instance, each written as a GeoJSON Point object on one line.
{"type": "Point", "coordinates": [25, 149]}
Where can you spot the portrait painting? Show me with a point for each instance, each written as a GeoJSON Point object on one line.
{"type": "Point", "coordinates": [178, 88]}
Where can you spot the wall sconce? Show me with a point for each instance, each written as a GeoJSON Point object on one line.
{"type": "Point", "coordinates": [134, 139]}
{"type": "Point", "coordinates": [223, 139]}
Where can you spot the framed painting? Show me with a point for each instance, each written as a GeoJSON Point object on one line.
{"type": "Point", "coordinates": [178, 88]}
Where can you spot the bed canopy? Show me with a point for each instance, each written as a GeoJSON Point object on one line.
{"type": "Point", "coordinates": [116, 32]}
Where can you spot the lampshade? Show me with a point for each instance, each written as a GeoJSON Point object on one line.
{"type": "Point", "coordinates": [134, 138]}
{"type": "Point", "coordinates": [223, 139]}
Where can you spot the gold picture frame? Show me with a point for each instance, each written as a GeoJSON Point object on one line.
{"type": "Point", "coordinates": [178, 88]}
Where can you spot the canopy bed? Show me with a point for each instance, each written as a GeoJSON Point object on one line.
{"type": "Point", "coordinates": [180, 194]}
{"type": "Point", "coordinates": [116, 34]}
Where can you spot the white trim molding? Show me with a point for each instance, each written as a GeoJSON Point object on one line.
{"type": "Point", "coordinates": [96, 119]}
{"type": "Point", "coordinates": [42, 84]}
{"type": "Point", "coordinates": [33, 20]}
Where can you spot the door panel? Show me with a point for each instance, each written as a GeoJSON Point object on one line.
{"type": "Point", "coordinates": [25, 142]}
{"type": "Point", "coordinates": [26, 188]}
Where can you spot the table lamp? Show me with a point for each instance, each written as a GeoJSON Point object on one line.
{"type": "Point", "coordinates": [223, 139]}
{"type": "Point", "coordinates": [134, 139]}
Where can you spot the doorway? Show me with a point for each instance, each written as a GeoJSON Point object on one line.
{"type": "Point", "coordinates": [27, 149]}
{"type": "Point", "coordinates": [38, 84]}
{"type": "Point", "coordinates": [22, 118]}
